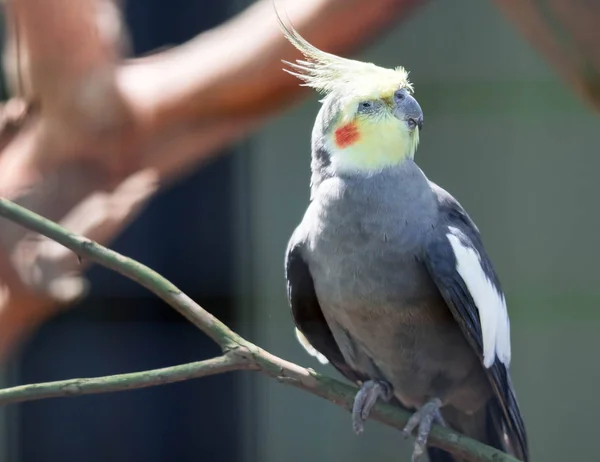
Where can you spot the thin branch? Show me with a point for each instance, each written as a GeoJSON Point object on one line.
{"type": "Point", "coordinates": [121, 382]}
{"type": "Point", "coordinates": [193, 83]}
{"type": "Point", "coordinates": [150, 279]}
{"type": "Point", "coordinates": [106, 133]}
{"type": "Point", "coordinates": [567, 36]}
{"type": "Point", "coordinates": [239, 353]}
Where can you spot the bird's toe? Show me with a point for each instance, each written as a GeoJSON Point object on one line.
{"type": "Point", "coordinates": [365, 399]}
{"type": "Point", "coordinates": [423, 419]}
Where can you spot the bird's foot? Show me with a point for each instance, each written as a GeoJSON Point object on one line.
{"type": "Point", "coordinates": [423, 418]}
{"type": "Point", "coordinates": [365, 399]}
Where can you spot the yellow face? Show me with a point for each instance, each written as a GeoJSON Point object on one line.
{"type": "Point", "coordinates": [371, 135]}
{"type": "Point", "coordinates": [379, 123]}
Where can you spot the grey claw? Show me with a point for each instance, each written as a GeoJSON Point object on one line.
{"type": "Point", "coordinates": [365, 399]}
{"type": "Point", "coordinates": [418, 452]}
{"type": "Point", "coordinates": [423, 419]}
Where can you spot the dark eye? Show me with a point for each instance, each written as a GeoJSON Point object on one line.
{"type": "Point", "coordinates": [368, 107]}
{"type": "Point", "coordinates": [400, 95]}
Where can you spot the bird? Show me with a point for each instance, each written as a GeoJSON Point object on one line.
{"type": "Point", "coordinates": [387, 276]}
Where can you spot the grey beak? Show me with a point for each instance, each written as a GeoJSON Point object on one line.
{"type": "Point", "coordinates": [407, 108]}
{"type": "Point", "coordinates": [412, 122]}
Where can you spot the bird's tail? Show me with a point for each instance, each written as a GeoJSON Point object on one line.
{"type": "Point", "coordinates": [484, 426]}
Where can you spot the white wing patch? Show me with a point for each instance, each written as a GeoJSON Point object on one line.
{"type": "Point", "coordinates": [309, 348]}
{"type": "Point", "coordinates": [490, 302]}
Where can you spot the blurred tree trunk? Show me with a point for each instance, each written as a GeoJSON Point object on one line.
{"type": "Point", "coordinates": [566, 32]}
{"type": "Point", "coordinates": [97, 135]}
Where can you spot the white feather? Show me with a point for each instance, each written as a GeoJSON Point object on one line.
{"type": "Point", "coordinates": [309, 348]}
{"type": "Point", "coordinates": [490, 302]}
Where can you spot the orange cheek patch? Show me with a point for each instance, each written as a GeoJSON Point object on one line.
{"type": "Point", "coordinates": [346, 135]}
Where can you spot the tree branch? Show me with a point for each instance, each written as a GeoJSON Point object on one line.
{"type": "Point", "coordinates": [239, 354]}
{"type": "Point", "coordinates": [105, 132]}
{"type": "Point", "coordinates": [144, 379]}
{"type": "Point", "coordinates": [567, 35]}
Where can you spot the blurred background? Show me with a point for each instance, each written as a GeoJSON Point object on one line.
{"type": "Point", "coordinates": [504, 134]}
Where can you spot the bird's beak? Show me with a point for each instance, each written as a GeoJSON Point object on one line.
{"type": "Point", "coordinates": [407, 108]}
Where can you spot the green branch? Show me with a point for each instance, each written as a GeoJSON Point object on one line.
{"type": "Point", "coordinates": [239, 354]}
{"type": "Point", "coordinates": [78, 387]}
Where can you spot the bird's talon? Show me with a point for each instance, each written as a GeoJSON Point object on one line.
{"type": "Point", "coordinates": [365, 400]}
{"type": "Point", "coordinates": [423, 419]}
{"type": "Point", "coordinates": [418, 451]}
{"type": "Point", "coordinates": [358, 427]}
{"type": "Point", "coordinates": [439, 419]}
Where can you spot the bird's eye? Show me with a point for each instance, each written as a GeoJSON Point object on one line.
{"type": "Point", "coordinates": [368, 107]}
{"type": "Point", "coordinates": [400, 95]}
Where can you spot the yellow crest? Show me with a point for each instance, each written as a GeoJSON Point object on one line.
{"type": "Point", "coordinates": [326, 72]}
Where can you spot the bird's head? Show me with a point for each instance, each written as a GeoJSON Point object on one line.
{"type": "Point", "coordinates": [369, 119]}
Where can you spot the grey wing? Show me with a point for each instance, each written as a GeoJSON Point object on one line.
{"type": "Point", "coordinates": [307, 314]}
{"type": "Point", "coordinates": [458, 264]}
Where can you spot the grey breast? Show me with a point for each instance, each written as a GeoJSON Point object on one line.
{"type": "Point", "coordinates": [364, 241]}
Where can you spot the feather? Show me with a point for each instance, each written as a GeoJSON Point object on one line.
{"type": "Point", "coordinates": [327, 73]}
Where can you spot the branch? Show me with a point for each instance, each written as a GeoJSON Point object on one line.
{"type": "Point", "coordinates": [239, 353]}
{"type": "Point", "coordinates": [144, 379]}
{"type": "Point", "coordinates": [566, 34]}
{"type": "Point", "coordinates": [105, 133]}
{"type": "Point", "coordinates": [192, 83]}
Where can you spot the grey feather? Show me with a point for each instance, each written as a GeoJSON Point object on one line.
{"type": "Point", "coordinates": [440, 262]}
{"type": "Point", "coordinates": [359, 260]}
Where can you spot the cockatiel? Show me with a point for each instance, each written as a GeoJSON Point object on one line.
{"type": "Point", "coordinates": [387, 275]}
